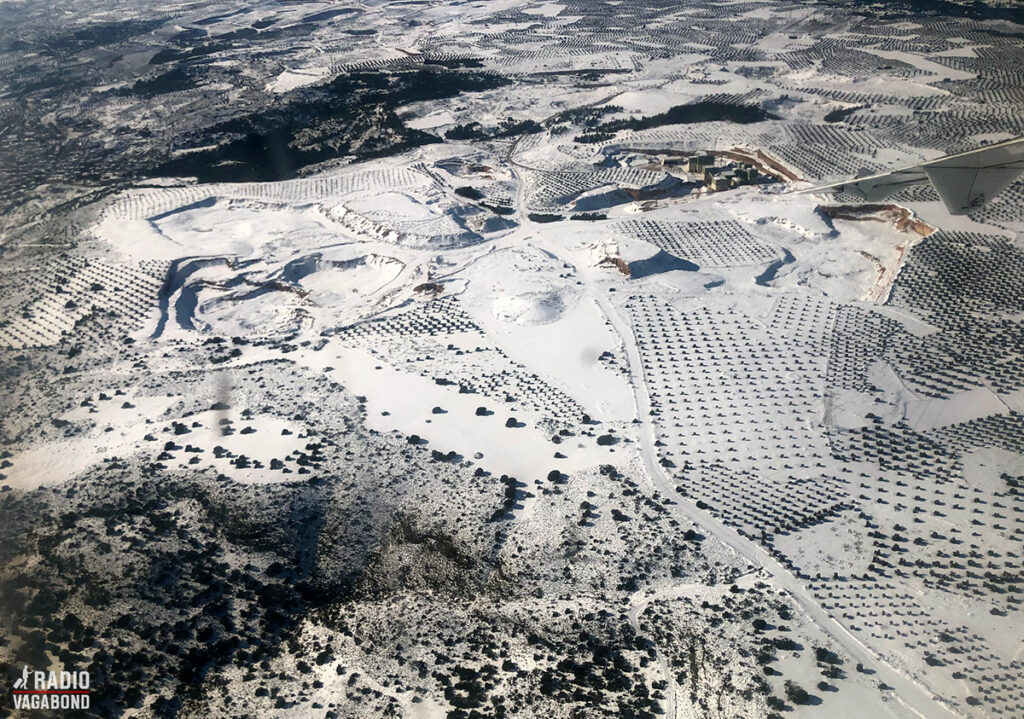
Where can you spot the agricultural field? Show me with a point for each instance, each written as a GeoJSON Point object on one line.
{"type": "Point", "coordinates": [448, 360]}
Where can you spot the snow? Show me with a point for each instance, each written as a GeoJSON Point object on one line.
{"type": "Point", "coordinates": [431, 120]}
{"type": "Point", "coordinates": [983, 467]}
{"type": "Point", "coordinates": [138, 239]}
{"type": "Point", "coordinates": [333, 284]}
{"type": "Point", "coordinates": [914, 325]}
{"type": "Point", "coordinates": [938, 72]}
{"type": "Point", "coordinates": [892, 86]}
{"type": "Point", "coordinates": [848, 409]}
{"type": "Point", "coordinates": [965, 51]}
{"type": "Point", "coordinates": [60, 460]}
{"type": "Point", "coordinates": [523, 452]}
{"type": "Point", "coordinates": [241, 229]}
{"type": "Point", "coordinates": [518, 298]}
{"type": "Point", "coordinates": [312, 259]}
{"type": "Point", "coordinates": [291, 79]}
{"type": "Point", "coordinates": [1014, 400]}
{"type": "Point", "coordinates": [119, 431]}
{"type": "Point", "coordinates": [925, 414]}
{"type": "Point", "coordinates": [549, 9]}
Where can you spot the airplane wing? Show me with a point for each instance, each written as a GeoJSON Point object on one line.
{"type": "Point", "coordinates": [965, 181]}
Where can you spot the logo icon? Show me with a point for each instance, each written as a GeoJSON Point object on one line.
{"type": "Point", "coordinates": [51, 690]}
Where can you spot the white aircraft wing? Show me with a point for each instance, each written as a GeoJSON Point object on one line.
{"type": "Point", "coordinates": [965, 181]}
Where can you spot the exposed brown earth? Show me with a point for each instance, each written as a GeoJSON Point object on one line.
{"type": "Point", "coordinates": [902, 218]}
{"type": "Point", "coordinates": [616, 262]}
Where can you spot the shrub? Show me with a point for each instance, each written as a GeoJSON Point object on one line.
{"type": "Point", "coordinates": [795, 693]}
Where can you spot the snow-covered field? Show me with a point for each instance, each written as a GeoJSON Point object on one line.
{"type": "Point", "coordinates": [500, 406]}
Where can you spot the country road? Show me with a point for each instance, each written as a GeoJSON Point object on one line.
{"type": "Point", "coordinates": [911, 694]}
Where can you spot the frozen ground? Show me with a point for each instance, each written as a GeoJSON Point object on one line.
{"type": "Point", "coordinates": [466, 398]}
